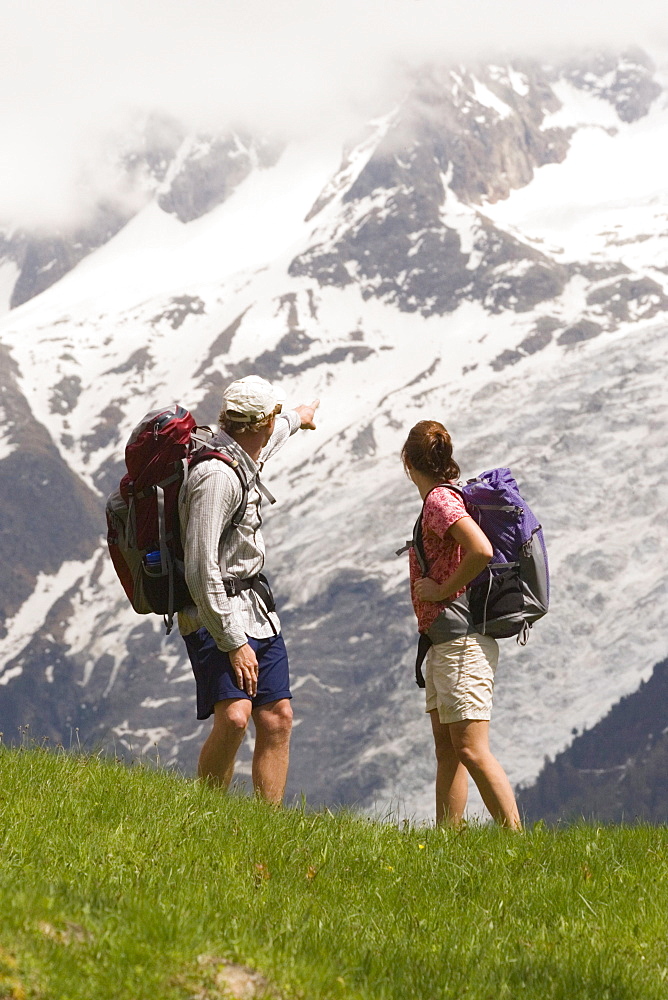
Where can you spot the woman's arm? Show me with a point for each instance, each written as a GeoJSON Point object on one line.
{"type": "Point", "coordinates": [477, 553]}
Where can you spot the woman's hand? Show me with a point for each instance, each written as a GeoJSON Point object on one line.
{"type": "Point", "coordinates": [477, 551]}
{"type": "Point", "coordinates": [428, 590]}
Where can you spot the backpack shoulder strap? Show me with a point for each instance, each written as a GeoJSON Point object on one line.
{"type": "Point", "coordinates": [418, 545]}
{"type": "Point", "coordinates": [203, 454]}
{"type": "Point", "coordinates": [453, 487]}
{"type": "Point", "coordinates": [418, 541]}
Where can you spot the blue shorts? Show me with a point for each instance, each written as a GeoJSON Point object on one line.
{"type": "Point", "coordinates": [217, 681]}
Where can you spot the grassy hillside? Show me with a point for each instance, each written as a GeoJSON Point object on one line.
{"type": "Point", "coordinates": [128, 883]}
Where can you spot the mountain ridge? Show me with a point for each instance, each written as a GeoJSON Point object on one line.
{"type": "Point", "coordinates": [572, 334]}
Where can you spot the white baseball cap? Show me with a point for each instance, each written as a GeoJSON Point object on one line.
{"type": "Point", "coordinates": [250, 399]}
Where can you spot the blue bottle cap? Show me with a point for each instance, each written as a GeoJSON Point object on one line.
{"type": "Point", "coordinates": [152, 557]}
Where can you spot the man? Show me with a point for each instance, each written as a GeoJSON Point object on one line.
{"type": "Point", "coordinates": [233, 635]}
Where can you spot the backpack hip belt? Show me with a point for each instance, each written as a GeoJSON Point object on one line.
{"type": "Point", "coordinates": [258, 583]}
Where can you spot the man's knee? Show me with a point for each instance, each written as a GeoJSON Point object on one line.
{"type": "Point", "coordinates": [274, 720]}
{"type": "Point", "coordinates": [232, 716]}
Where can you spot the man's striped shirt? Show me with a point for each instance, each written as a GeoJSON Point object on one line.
{"type": "Point", "coordinates": [207, 503]}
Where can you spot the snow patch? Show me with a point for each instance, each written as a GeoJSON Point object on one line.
{"type": "Point", "coordinates": [33, 613]}
{"type": "Point", "coordinates": [313, 679]}
{"type": "Point", "coordinates": [464, 219]}
{"type": "Point", "coordinates": [488, 99]}
{"type": "Point", "coordinates": [607, 201]}
{"type": "Point", "coordinates": [149, 737]}
{"type": "Point", "coordinates": [580, 109]}
{"type": "Point", "coordinates": [158, 702]}
{"type": "Point", "coordinates": [519, 82]}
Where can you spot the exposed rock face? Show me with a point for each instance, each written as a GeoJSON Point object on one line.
{"type": "Point", "coordinates": [207, 170]}
{"type": "Point", "coordinates": [485, 126]}
{"type": "Point", "coordinates": [629, 298]}
{"type": "Point", "coordinates": [105, 430]}
{"type": "Point", "coordinates": [65, 394]}
{"type": "Point", "coordinates": [293, 354]}
{"type": "Point", "coordinates": [609, 303]}
{"type": "Point", "coordinates": [405, 248]}
{"type": "Point", "coordinates": [180, 307]}
{"type": "Point", "coordinates": [627, 83]}
{"type": "Point", "coordinates": [584, 330]}
{"type": "Point", "coordinates": [36, 478]}
{"type": "Point", "coordinates": [410, 232]}
{"type": "Point", "coordinates": [479, 132]}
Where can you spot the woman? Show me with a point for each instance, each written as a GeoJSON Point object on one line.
{"type": "Point", "coordinates": [460, 664]}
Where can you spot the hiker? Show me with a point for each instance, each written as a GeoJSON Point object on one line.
{"type": "Point", "coordinates": [233, 634]}
{"type": "Point", "coordinates": [460, 663]}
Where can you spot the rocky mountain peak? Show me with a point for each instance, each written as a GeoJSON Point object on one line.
{"type": "Point", "coordinates": [626, 81]}
{"type": "Point", "coordinates": [207, 169]}
{"type": "Point", "coordinates": [457, 262]}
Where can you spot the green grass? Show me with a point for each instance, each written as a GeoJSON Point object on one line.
{"type": "Point", "coordinates": [115, 881]}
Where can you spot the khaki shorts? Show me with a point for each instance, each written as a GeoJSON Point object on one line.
{"type": "Point", "coordinates": [459, 678]}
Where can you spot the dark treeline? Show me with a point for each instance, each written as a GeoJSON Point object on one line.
{"type": "Point", "coordinates": [615, 772]}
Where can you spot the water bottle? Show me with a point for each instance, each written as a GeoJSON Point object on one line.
{"type": "Point", "coordinates": [153, 563]}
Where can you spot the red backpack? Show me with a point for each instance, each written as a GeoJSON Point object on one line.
{"type": "Point", "coordinates": [143, 531]}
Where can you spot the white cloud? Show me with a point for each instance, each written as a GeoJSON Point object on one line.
{"type": "Point", "coordinates": [71, 71]}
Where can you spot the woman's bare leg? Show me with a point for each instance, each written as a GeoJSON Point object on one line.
{"type": "Point", "coordinates": [452, 778]}
{"type": "Point", "coordinates": [470, 740]}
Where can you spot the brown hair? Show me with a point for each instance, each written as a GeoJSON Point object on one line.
{"type": "Point", "coordinates": [428, 449]}
{"type": "Point", "coordinates": [228, 424]}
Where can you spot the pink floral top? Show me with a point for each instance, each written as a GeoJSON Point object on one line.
{"type": "Point", "coordinates": [442, 508]}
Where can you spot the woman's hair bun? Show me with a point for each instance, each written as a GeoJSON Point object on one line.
{"type": "Point", "coordinates": [428, 449]}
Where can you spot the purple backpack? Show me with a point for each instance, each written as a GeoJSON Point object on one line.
{"type": "Point", "coordinates": [513, 590]}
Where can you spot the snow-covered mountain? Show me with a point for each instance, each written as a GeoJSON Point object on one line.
{"type": "Point", "coordinates": [492, 252]}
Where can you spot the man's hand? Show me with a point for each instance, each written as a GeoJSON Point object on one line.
{"type": "Point", "coordinates": [306, 413]}
{"type": "Point", "coordinates": [428, 590]}
{"type": "Point", "coordinates": [244, 664]}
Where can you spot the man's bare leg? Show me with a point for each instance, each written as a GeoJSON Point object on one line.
{"type": "Point", "coordinates": [452, 778]}
{"type": "Point", "coordinates": [216, 759]}
{"type": "Point", "coordinates": [273, 723]}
